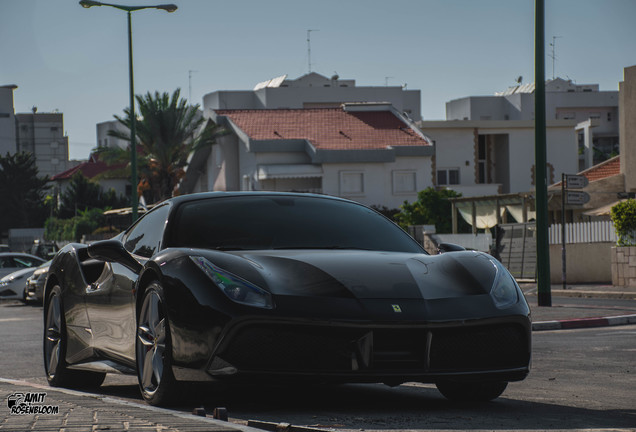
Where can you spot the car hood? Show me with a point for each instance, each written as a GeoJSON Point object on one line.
{"type": "Point", "coordinates": [364, 274]}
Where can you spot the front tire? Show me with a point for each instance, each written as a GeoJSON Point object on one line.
{"type": "Point", "coordinates": [153, 348]}
{"type": "Point", "coordinates": [471, 391]}
{"type": "Point", "coordinates": [55, 342]}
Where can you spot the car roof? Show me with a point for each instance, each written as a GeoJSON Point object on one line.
{"type": "Point", "coordinates": [204, 195]}
{"type": "Point", "coordinates": [20, 254]}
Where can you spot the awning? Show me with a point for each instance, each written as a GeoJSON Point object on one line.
{"type": "Point", "coordinates": [265, 172]}
{"type": "Point", "coordinates": [602, 211]}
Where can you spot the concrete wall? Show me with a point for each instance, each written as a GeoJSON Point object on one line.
{"type": "Point", "coordinates": [585, 263]}
{"type": "Point", "coordinates": [627, 115]}
{"type": "Point", "coordinates": [624, 266]}
{"type": "Point", "coordinates": [379, 180]}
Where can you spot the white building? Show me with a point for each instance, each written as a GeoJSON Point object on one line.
{"type": "Point", "coordinates": [43, 135]}
{"type": "Point", "coordinates": [370, 153]}
{"type": "Point", "coordinates": [489, 157]}
{"type": "Point", "coordinates": [39, 133]}
{"type": "Point", "coordinates": [105, 140]}
{"type": "Point", "coordinates": [313, 91]}
{"type": "Point", "coordinates": [7, 120]}
{"type": "Point", "coordinates": [594, 112]}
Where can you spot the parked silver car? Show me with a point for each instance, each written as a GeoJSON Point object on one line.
{"type": "Point", "coordinates": [15, 268]}
{"type": "Point", "coordinates": [14, 261]}
{"type": "Point", "coordinates": [34, 287]}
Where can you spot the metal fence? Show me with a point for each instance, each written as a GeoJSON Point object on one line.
{"type": "Point", "coordinates": [583, 232]}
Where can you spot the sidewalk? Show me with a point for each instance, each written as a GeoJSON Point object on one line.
{"type": "Point", "coordinates": [588, 310]}
{"type": "Point", "coordinates": [63, 410]}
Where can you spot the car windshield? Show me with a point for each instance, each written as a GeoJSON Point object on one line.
{"type": "Point", "coordinates": [285, 222]}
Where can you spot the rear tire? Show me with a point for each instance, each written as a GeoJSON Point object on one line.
{"type": "Point", "coordinates": [54, 348]}
{"type": "Point", "coordinates": [471, 391]}
{"type": "Point", "coordinates": [153, 349]}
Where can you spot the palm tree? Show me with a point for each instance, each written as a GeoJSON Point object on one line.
{"type": "Point", "coordinates": [168, 131]}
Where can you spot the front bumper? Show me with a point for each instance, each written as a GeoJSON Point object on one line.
{"type": "Point", "coordinates": [495, 349]}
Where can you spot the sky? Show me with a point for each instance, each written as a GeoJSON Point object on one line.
{"type": "Point", "coordinates": [74, 60]}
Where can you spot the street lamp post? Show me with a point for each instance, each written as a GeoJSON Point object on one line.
{"type": "Point", "coordinates": [133, 132]}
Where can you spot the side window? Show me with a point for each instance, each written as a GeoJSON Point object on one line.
{"type": "Point", "coordinates": [145, 237]}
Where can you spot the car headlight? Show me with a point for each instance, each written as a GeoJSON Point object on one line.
{"type": "Point", "coordinates": [40, 273]}
{"type": "Point", "coordinates": [235, 288]}
{"type": "Point", "coordinates": [504, 288]}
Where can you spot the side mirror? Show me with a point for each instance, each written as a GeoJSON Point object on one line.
{"type": "Point", "coordinates": [449, 247]}
{"type": "Point", "coordinates": [113, 251]}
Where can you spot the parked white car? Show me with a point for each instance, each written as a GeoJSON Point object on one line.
{"type": "Point", "coordinates": [12, 285]}
{"type": "Point", "coordinates": [14, 261]}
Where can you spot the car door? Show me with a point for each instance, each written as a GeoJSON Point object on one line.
{"type": "Point", "coordinates": [110, 301]}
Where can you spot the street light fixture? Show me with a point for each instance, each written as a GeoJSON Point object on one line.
{"type": "Point", "coordinates": [133, 131]}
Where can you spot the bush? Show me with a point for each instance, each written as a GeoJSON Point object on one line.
{"type": "Point", "coordinates": [624, 218]}
{"type": "Point", "coordinates": [74, 228]}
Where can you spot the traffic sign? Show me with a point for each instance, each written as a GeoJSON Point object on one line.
{"type": "Point", "coordinates": [576, 197]}
{"type": "Point", "coordinates": [576, 181]}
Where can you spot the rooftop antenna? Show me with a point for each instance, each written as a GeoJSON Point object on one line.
{"type": "Point", "coordinates": [553, 56]}
{"type": "Point", "coordinates": [386, 80]}
{"type": "Point", "coordinates": [309, 47]}
{"type": "Point", "coordinates": [190, 85]}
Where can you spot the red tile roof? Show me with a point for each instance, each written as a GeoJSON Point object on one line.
{"type": "Point", "coordinates": [609, 168]}
{"type": "Point", "coordinates": [89, 169]}
{"type": "Point", "coordinates": [605, 169]}
{"type": "Point", "coordinates": [327, 128]}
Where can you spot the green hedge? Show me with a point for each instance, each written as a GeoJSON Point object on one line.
{"type": "Point", "coordinates": [624, 218]}
{"type": "Point", "coordinates": [74, 228]}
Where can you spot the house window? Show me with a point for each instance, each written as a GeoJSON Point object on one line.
{"type": "Point", "coordinates": [351, 183]}
{"type": "Point", "coordinates": [482, 159]}
{"type": "Point", "coordinates": [447, 176]}
{"type": "Point", "coordinates": [404, 182]}
{"type": "Point", "coordinates": [595, 115]}
{"type": "Point", "coordinates": [568, 116]}
{"type": "Point", "coordinates": [609, 116]}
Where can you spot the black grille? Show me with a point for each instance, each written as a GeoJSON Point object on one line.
{"type": "Point", "coordinates": [484, 347]}
{"type": "Point", "coordinates": [286, 348]}
{"type": "Point", "coordinates": [338, 349]}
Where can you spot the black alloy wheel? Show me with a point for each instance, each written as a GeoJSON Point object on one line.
{"type": "Point", "coordinates": [153, 348]}
{"type": "Point", "coordinates": [55, 341]}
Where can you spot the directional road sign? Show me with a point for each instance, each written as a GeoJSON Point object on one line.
{"type": "Point", "coordinates": [576, 181]}
{"type": "Point", "coordinates": [576, 197]}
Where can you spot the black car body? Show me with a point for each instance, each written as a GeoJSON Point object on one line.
{"type": "Point", "coordinates": [221, 286]}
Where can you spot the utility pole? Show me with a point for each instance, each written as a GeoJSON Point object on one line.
{"type": "Point", "coordinates": [309, 47]}
{"type": "Point", "coordinates": [541, 184]}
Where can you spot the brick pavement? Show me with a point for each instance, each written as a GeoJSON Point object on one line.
{"type": "Point", "coordinates": [83, 412]}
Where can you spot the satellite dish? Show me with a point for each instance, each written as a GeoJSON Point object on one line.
{"type": "Point", "coordinates": [335, 77]}
{"type": "Point", "coordinates": [519, 79]}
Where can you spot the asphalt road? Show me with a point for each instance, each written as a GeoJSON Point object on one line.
{"type": "Point", "coordinates": [581, 379]}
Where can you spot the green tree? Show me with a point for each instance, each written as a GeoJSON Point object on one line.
{"type": "Point", "coordinates": [83, 194]}
{"type": "Point", "coordinates": [431, 208]}
{"type": "Point", "coordinates": [168, 131]}
{"type": "Point", "coordinates": [624, 217]}
{"type": "Point", "coordinates": [22, 192]}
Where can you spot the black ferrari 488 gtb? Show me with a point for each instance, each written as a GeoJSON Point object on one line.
{"type": "Point", "coordinates": [230, 286]}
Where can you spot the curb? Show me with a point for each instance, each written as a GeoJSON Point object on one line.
{"type": "Point", "coordinates": [151, 411]}
{"type": "Point", "coordinates": [580, 323]}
